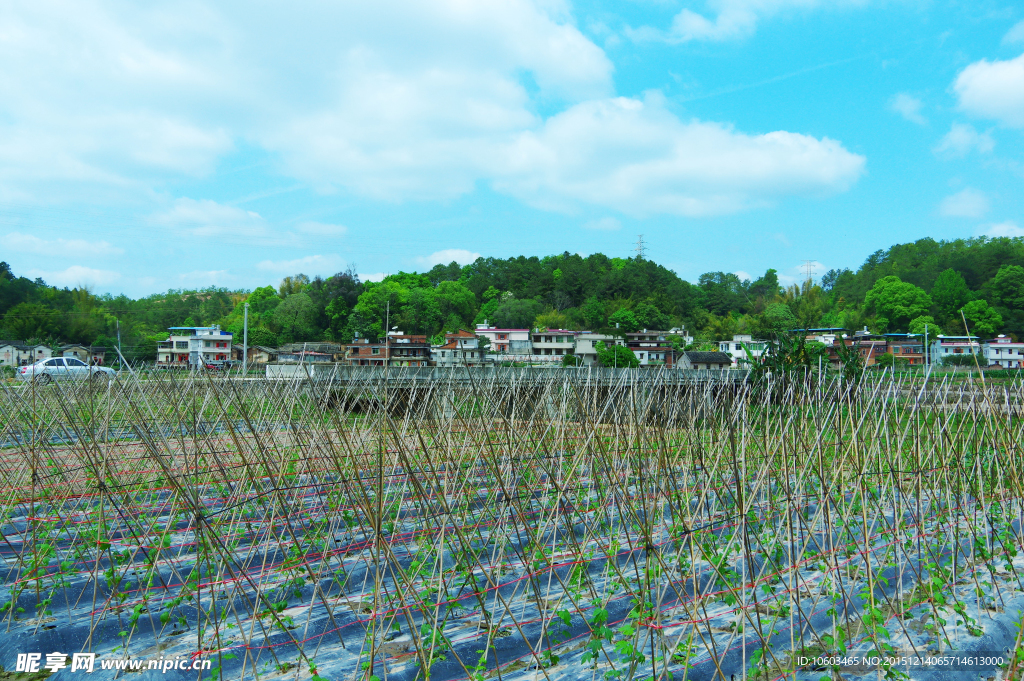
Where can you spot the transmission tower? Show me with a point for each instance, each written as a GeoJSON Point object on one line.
{"type": "Point", "coordinates": [641, 250]}
{"type": "Point", "coordinates": [809, 270]}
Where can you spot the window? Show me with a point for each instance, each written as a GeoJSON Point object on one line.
{"type": "Point", "coordinates": [501, 336]}
{"type": "Point", "coordinates": [181, 345]}
{"type": "Point", "coordinates": [375, 351]}
{"type": "Point", "coordinates": [54, 363]}
{"type": "Point", "coordinates": [74, 362]}
{"type": "Point", "coordinates": [355, 351]}
{"type": "Point", "coordinates": [207, 344]}
{"type": "Point", "coordinates": [738, 346]}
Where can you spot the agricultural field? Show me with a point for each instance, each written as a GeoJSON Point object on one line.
{"type": "Point", "coordinates": [513, 524]}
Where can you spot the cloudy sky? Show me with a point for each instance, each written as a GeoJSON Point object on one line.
{"type": "Point", "coordinates": [147, 146]}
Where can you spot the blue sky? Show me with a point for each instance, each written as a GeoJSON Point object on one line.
{"type": "Point", "coordinates": [148, 146]}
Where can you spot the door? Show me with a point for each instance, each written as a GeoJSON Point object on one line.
{"type": "Point", "coordinates": [76, 368]}
{"type": "Point", "coordinates": [55, 368]}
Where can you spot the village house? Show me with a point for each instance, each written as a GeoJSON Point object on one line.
{"type": "Point", "coordinates": [1004, 352]}
{"type": "Point", "coordinates": [90, 354]}
{"type": "Point", "coordinates": [552, 344]}
{"type": "Point", "coordinates": [461, 348]}
{"type": "Point", "coordinates": [398, 349]}
{"type": "Point", "coordinates": [951, 346]}
{"type": "Point", "coordinates": [652, 348]}
{"type": "Point", "coordinates": [192, 346]}
{"type": "Point", "coordinates": [16, 354]}
{"type": "Point", "coordinates": [256, 354]}
{"type": "Point", "coordinates": [907, 346]}
{"type": "Point", "coordinates": [742, 348]}
{"type": "Point", "coordinates": [586, 345]}
{"type": "Point", "coordinates": [505, 341]}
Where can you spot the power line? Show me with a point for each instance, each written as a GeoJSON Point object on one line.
{"type": "Point", "coordinates": [641, 250]}
{"type": "Point", "coordinates": [809, 269]}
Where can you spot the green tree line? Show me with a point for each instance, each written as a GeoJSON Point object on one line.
{"type": "Point", "coordinates": [938, 283]}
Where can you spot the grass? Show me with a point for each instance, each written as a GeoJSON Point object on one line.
{"type": "Point", "coordinates": [628, 524]}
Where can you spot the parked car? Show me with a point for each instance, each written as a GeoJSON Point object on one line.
{"type": "Point", "coordinates": [62, 368]}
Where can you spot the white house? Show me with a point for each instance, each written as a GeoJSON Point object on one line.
{"type": "Point", "coordinates": [505, 341]}
{"type": "Point", "coordinates": [17, 354]}
{"type": "Point", "coordinates": [586, 345]}
{"type": "Point", "coordinates": [553, 344]}
{"type": "Point", "coordinates": [460, 349]}
{"type": "Point", "coordinates": [948, 346]}
{"type": "Point", "coordinates": [1004, 351]}
{"type": "Point", "coordinates": [190, 346]}
{"type": "Point", "coordinates": [743, 346]}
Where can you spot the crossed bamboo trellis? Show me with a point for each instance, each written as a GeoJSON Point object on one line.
{"type": "Point", "coordinates": [662, 526]}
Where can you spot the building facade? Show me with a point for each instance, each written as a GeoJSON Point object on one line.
{"type": "Point", "coordinates": [1003, 351]}
{"type": "Point", "coordinates": [586, 345]}
{"type": "Point", "coordinates": [20, 354]}
{"type": "Point", "coordinates": [397, 349]}
{"type": "Point", "coordinates": [460, 349]}
{"type": "Point", "coordinates": [93, 355]}
{"type": "Point", "coordinates": [194, 346]}
{"type": "Point", "coordinates": [553, 344]}
{"type": "Point", "coordinates": [907, 346]}
{"type": "Point", "coordinates": [951, 346]}
{"type": "Point", "coordinates": [743, 347]}
{"type": "Point", "coordinates": [504, 341]}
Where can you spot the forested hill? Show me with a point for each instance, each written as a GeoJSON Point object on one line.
{"type": "Point", "coordinates": [895, 290]}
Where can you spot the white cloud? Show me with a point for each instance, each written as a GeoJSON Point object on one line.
{"type": "Point", "coordinates": [744, 276]}
{"type": "Point", "coordinates": [638, 158]}
{"type": "Point", "coordinates": [449, 255]}
{"type": "Point", "coordinates": [77, 276]}
{"type": "Point", "coordinates": [993, 90]}
{"type": "Point", "coordinates": [1008, 228]}
{"type": "Point", "coordinates": [409, 100]}
{"type": "Point", "coordinates": [909, 107]}
{"type": "Point", "coordinates": [729, 19]}
{"type": "Point", "coordinates": [961, 139]}
{"type": "Point", "coordinates": [57, 248]}
{"type": "Point", "coordinates": [1015, 34]}
{"type": "Point", "coordinates": [376, 276]}
{"type": "Point", "coordinates": [310, 265]}
{"type": "Point", "coordinates": [967, 203]}
{"type": "Point", "coordinates": [604, 224]}
{"type": "Point", "coordinates": [205, 218]}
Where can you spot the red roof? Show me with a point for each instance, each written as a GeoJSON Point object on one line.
{"type": "Point", "coordinates": [461, 333]}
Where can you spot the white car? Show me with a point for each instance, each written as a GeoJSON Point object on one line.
{"type": "Point", "coordinates": [62, 368]}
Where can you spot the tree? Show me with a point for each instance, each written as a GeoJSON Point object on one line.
{"type": "Point", "coordinates": [898, 301]}
{"type": "Point", "coordinates": [616, 356]}
{"type": "Point", "coordinates": [293, 284]}
{"type": "Point", "coordinates": [261, 335]}
{"type": "Point", "coordinates": [917, 325]}
{"type": "Point", "coordinates": [571, 361]}
{"type": "Point", "coordinates": [777, 318]}
{"type": "Point", "coordinates": [625, 319]}
{"type": "Point", "coordinates": [1008, 286]}
{"type": "Point", "coordinates": [552, 319]}
{"type": "Point", "coordinates": [31, 321]}
{"type": "Point", "coordinates": [296, 317]}
{"type": "Point", "coordinates": [950, 293]}
{"type": "Point", "coordinates": [982, 319]}
{"type": "Point", "coordinates": [517, 314]}
{"type": "Point", "coordinates": [370, 314]}
{"type": "Point", "coordinates": [454, 299]}
{"type": "Point", "coordinates": [887, 360]}
{"type": "Point", "coordinates": [650, 317]}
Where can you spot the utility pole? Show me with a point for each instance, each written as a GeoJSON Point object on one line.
{"type": "Point", "coordinates": [245, 339]}
{"type": "Point", "coordinates": [641, 250]}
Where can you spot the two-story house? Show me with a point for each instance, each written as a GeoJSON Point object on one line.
{"type": "Point", "coordinates": [1003, 351]}
{"type": "Point", "coordinates": [192, 346]}
{"type": "Point", "coordinates": [460, 349]}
